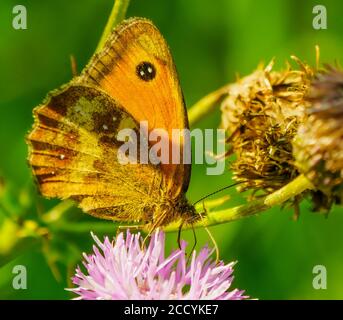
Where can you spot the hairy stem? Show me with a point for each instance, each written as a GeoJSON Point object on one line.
{"type": "Point", "coordinates": [295, 187]}
{"type": "Point", "coordinates": [117, 15]}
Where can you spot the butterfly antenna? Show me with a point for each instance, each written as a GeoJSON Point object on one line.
{"type": "Point", "coordinates": [217, 191]}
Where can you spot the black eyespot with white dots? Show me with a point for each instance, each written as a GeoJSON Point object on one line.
{"type": "Point", "coordinates": [146, 71]}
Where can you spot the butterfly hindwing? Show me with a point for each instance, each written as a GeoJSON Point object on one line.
{"type": "Point", "coordinates": [74, 154]}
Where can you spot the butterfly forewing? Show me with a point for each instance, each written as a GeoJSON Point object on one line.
{"type": "Point", "coordinates": [136, 69]}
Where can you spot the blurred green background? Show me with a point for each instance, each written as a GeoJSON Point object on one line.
{"type": "Point", "coordinates": [211, 41]}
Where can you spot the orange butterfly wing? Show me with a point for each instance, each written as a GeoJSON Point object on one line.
{"type": "Point", "coordinates": [74, 153]}
{"type": "Point", "coordinates": [122, 69]}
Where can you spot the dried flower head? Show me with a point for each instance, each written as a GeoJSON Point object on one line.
{"type": "Point", "coordinates": [261, 115]}
{"type": "Point", "coordinates": [318, 145]}
{"type": "Point", "coordinates": [122, 269]}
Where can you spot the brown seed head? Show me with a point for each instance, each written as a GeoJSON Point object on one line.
{"type": "Point", "coordinates": [261, 115]}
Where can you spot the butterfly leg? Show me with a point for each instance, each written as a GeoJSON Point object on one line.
{"type": "Point", "coordinates": [194, 245]}
{"type": "Point", "coordinates": [179, 234]}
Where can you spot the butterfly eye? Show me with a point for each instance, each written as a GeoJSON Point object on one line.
{"type": "Point", "coordinates": [146, 71]}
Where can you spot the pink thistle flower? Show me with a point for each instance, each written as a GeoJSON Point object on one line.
{"type": "Point", "coordinates": [122, 270]}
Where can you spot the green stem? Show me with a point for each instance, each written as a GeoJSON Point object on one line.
{"type": "Point", "coordinates": [117, 15]}
{"type": "Point", "coordinates": [295, 187]}
{"type": "Point", "coordinates": [205, 105]}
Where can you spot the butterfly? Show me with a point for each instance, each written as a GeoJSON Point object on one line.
{"type": "Point", "coordinates": [73, 145]}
